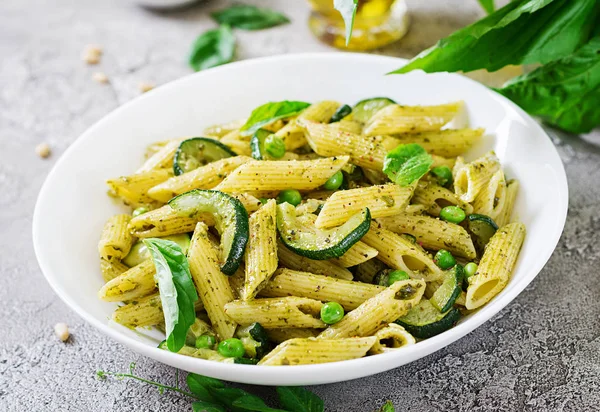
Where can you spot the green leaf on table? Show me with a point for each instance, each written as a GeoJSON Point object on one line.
{"type": "Point", "coordinates": [252, 403]}
{"type": "Point", "coordinates": [488, 6]}
{"type": "Point", "coordinates": [201, 406]}
{"type": "Point", "coordinates": [297, 399]}
{"type": "Point", "coordinates": [269, 113]}
{"type": "Point", "coordinates": [522, 32]}
{"type": "Point", "coordinates": [347, 9]}
{"type": "Point", "coordinates": [201, 385]}
{"type": "Point", "coordinates": [177, 291]}
{"type": "Point", "coordinates": [388, 406]}
{"type": "Point", "coordinates": [213, 48]}
{"type": "Point", "coordinates": [564, 93]}
{"type": "Point", "coordinates": [407, 163]}
{"type": "Point", "coordinates": [248, 17]}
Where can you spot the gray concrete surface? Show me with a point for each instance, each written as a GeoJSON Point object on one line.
{"type": "Point", "coordinates": [542, 353]}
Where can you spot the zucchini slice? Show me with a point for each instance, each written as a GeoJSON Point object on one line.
{"type": "Point", "coordinates": [340, 113]}
{"type": "Point", "coordinates": [198, 151]}
{"type": "Point", "coordinates": [139, 252]}
{"type": "Point", "coordinates": [231, 221]}
{"type": "Point", "coordinates": [424, 320]}
{"type": "Point", "coordinates": [320, 244]}
{"type": "Point", "coordinates": [482, 228]}
{"type": "Point", "coordinates": [257, 145]}
{"type": "Point", "coordinates": [365, 109]}
{"type": "Point", "coordinates": [255, 340]}
{"type": "Point", "coordinates": [444, 297]}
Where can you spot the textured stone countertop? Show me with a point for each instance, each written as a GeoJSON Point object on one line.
{"type": "Point", "coordinates": [541, 353]}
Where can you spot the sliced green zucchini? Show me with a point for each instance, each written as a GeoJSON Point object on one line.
{"type": "Point", "coordinates": [139, 252]}
{"type": "Point", "coordinates": [245, 361]}
{"type": "Point", "coordinates": [340, 113]}
{"type": "Point", "coordinates": [320, 244]}
{"type": "Point", "coordinates": [262, 149]}
{"type": "Point", "coordinates": [424, 320]}
{"type": "Point", "coordinates": [198, 151]}
{"type": "Point", "coordinates": [365, 109]}
{"type": "Point", "coordinates": [231, 221]}
{"type": "Point", "coordinates": [255, 340]}
{"type": "Point", "coordinates": [482, 228]}
{"type": "Point", "coordinates": [445, 296]}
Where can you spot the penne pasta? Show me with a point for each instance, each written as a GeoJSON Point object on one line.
{"type": "Point", "coordinates": [115, 240]}
{"type": "Point", "coordinates": [162, 158]}
{"type": "Point", "coordinates": [365, 272]}
{"type": "Point", "coordinates": [391, 338]}
{"type": "Point", "coordinates": [505, 213]}
{"type": "Point", "coordinates": [281, 335]}
{"type": "Point", "coordinates": [287, 312]}
{"type": "Point", "coordinates": [310, 350]}
{"type": "Point", "coordinates": [261, 252]}
{"type": "Point", "coordinates": [221, 130]}
{"type": "Point", "coordinates": [432, 233]}
{"type": "Point", "coordinates": [491, 198]}
{"type": "Point", "coordinates": [204, 177]}
{"type": "Point", "coordinates": [470, 178]}
{"type": "Point", "coordinates": [257, 176]}
{"type": "Point", "coordinates": [384, 200]}
{"type": "Point", "coordinates": [496, 265]}
{"type": "Point", "coordinates": [292, 133]}
{"type": "Point", "coordinates": [135, 283]}
{"type": "Point", "coordinates": [447, 143]}
{"type": "Point", "coordinates": [347, 293]}
{"type": "Point", "coordinates": [144, 312]}
{"type": "Point", "coordinates": [357, 254]}
{"type": "Point", "coordinates": [396, 119]}
{"type": "Point", "coordinates": [213, 287]}
{"type": "Point", "coordinates": [400, 253]}
{"type": "Point", "coordinates": [385, 307]}
{"type": "Point", "coordinates": [331, 140]}
{"type": "Point", "coordinates": [435, 198]}
{"type": "Point", "coordinates": [165, 221]}
{"type": "Point", "coordinates": [112, 268]}
{"type": "Point", "coordinates": [133, 190]}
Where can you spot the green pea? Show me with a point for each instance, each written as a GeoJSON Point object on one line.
{"type": "Point", "coordinates": [231, 348]}
{"type": "Point", "coordinates": [470, 269]}
{"type": "Point", "coordinates": [396, 275]}
{"type": "Point", "coordinates": [443, 175]}
{"type": "Point", "coordinates": [275, 146]}
{"type": "Point", "coordinates": [335, 181]}
{"type": "Point", "coordinates": [205, 342]}
{"type": "Point", "coordinates": [444, 259]}
{"type": "Point", "coordinates": [453, 214]}
{"type": "Point", "coordinates": [291, 196]}
{"type": "Point", "coordinates": [139, 211]}
{"type": "Point", "coordinates": [332, 312]}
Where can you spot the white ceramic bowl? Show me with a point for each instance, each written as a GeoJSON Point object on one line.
{"type": "Point", "coordinates": [72, 205]}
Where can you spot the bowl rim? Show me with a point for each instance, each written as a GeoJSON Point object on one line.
{"type": "Point", "coordinates": [300, 374]}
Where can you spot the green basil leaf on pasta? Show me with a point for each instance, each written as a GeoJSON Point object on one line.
{"type": "Point", "coordinates": [213, 48]}
{"type": "Point", "coordinates": [407, 163]}
{"type": "Point", "coordinates": [522, 32]}
{"type": "Point", "coordinates": [269, 113]}
{"type": "Point", "coordinates": [297, 399]}
{"type": "Point", "coordinates": [347, 9]}
{"type": "Point", "coordinates": [564, 93]}
{"type": "Point", "coordinates": [249, 17]}
{"type": "Point", "coordinates": [177, 291]}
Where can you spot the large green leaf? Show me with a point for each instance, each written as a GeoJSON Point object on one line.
{"type": "Point", "coordinates": [248, 17]}
{"type": "Point", "coordinates": [213, 48]}
{"type": "Point", "coordinates": [177, 291]}
{"type": "Point", "coordinates": [565, 93]}
{"type": "Point", "coordinates": [406, 163]}
{"type": "Point", "coordinates": [522, 32]}
{"type": "Point", "coordinates": [347, 9]}
{"type": "Point", "coordinates": [269, 113]}
{"type": "Point", "coordinates": [297, 399]}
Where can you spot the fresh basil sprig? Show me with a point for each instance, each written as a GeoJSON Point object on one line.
{"type": "Point", "coordinates": [347, 9]}
{"type": "Point", "coordinates": [488, 6]}
{"type": "Point", "coordinates": [407, 163]}
{"type": "Point", "coordinates": [522, 32]}
{"type": "Point", "coordinates": [213, 48]}
{"type": "Point", "coordinates": [297, 399]}
{"type": "Point", "coordinates": [176, 288]}
{"type": "Point", "coordinates": [248, 17]}
{"type": "Point", "coordinates": [565, 93]}
{"type": "Point", "coordinates": [269, 113]}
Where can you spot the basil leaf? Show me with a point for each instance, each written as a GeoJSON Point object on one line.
{"type": "Point", "coordinates": [269, 113]}
{"type": "Point", "coordinates": [213, 48]}
{"type": "Point", "coordinates": [177, 291]}
{"type": "Point", "coordinates": [347, 9]}
{"type": "Point", "coordinates": [564, 93]}
{"type": "Point", "coordinates": [249, 17]}
{"type": "Point", "coordinates": [522, 32]}
{"type": "Point", "coordinates": [252, 403]}
{"type": "Point", "coordinates": [488, 6]}
{"type": "Point", "coordinates": [200, 406]}
{"type": "Point", "coordinates": [407, 163]}
{"type": "Point", "coordinates": [297, 399]}
{"type": "Point", "coordinates": [387, 407]}
{"type": "Point", "coordinates": [200, 386]}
